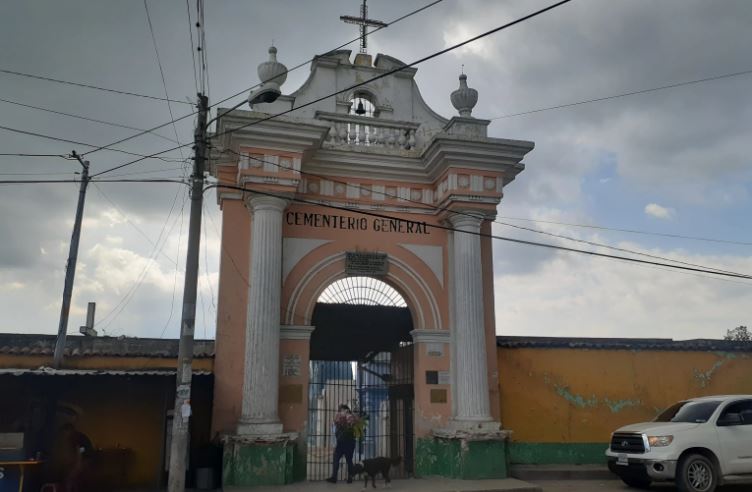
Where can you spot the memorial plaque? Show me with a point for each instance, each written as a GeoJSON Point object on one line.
{"type": "Point", "coordinates": [291, 365]}
{"type": "Point", "coordinates": [438, 396]}
{"type": "Point", "coordinates": [444, 377]}
{"type": "Point", "coordinates": [435, 349]}
{"type": "Point", "coordinates": [366, 264]}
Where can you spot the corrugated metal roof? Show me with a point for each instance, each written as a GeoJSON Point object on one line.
{"type": "Point", "coordinates": [80, 346]}
{"type": "Point", "coordinates": [49, 371]}
{"type": "Point", "coordinates": [699, 344]}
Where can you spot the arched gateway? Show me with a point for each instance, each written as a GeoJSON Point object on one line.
{"type": "Point", "coordinates": [389, 190]}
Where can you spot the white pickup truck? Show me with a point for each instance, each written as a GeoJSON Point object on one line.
{"type": "Point", "coordinates": [699, 444]}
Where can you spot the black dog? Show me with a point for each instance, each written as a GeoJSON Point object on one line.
{"type": "Point", "coordinates": [374, 466]}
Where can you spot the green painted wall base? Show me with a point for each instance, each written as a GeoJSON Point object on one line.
{"type": "Point", "coordinates": [461, 458]}
{"type": "Point", "coordinates": [553, 453]}
{"type": "Point", "coordinates": [249, 463]}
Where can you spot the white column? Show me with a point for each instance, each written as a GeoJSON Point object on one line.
{"type": "Point", "coordinates": [261, 375]}
{"type": "Point", "coordinates": [469, 348]}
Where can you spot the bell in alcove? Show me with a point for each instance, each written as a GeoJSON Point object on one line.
{"type": "Point", "coordinates": [360, 109]}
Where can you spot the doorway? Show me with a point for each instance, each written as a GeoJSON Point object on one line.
{"type": "Point", "coordinates": [362, 356]}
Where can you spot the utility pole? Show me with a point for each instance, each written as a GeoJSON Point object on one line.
{"type": "Point", "coordinates": [182, 410]}
{"type": "Point", "coordinates": [70, 268]}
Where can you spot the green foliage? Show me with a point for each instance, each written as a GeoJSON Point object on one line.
{"type": "Point", "coordinates": [738, 334]}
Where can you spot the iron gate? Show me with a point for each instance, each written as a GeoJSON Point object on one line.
{"type": "Point", "coordinates": [379, 389]}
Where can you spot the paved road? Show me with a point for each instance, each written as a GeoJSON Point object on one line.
{"type": "Point", "coordinates": [614, 485]}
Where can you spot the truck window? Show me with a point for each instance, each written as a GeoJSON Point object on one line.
{"type": "Point", "coordinates": [697, 412]}
{"type": "Point", "coordinates": [668, 414]}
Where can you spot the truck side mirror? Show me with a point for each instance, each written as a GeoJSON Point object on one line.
{"type": "Point", "coordinates": [729, 419]}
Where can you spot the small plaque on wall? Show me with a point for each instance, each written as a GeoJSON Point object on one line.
{"type": "Point", "coordinates": [443, 377]}
{"type": "Point", "coordinates": [291, 365]}
{"type": "Point", "coordinates": [438, 396]}
{"type": "Point", "coordinates": [369, 264]}
{"type": "Point", "coordinates": [435, 349]}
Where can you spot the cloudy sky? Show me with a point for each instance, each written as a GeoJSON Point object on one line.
{"type": "Point", "coordinates": [667, 163]}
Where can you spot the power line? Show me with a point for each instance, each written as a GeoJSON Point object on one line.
{"type": "Point", "coordinates": [625, 94]}
{"type": "Point", "coordinates": [125, 300]}
{"type": "Point", "coordinates": [631, 231]}
{"type": "Point", "coordinates": [193, 48]}
{"type": "Point", "coordinates": [400, 68]}
{"type": "Point", "coordinates": [264, 81]}
{"type": "Point", "coordinates": [88, 86]}
{"type": "Point", "coordinates": [55, 181]}
{"type": "Point", "coordinates": [372, 79]}
{"type": "Point", "coordinates": [69, 158]}
{"type": "Point", "coordinates": [59, 139]}
{"type": "Point", "coordinates": [426, 206]}
{"type": "Point", "coordinates": [161, 72]}
{"type": "Point", "coordinates": [491, 236]}
{"type": "Point", "coordinates": [86, 118]}
{"type": "Point", "coordinates": [205, 87]}
{"type": "Point", "coordinates": [175, 276]}
{"type": "Point", "coordinates": [130, 222]}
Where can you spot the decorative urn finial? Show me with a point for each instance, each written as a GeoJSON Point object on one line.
{"type": "Point", "coordinates": [464, 99]}
{"type": "Point", "coordinates": [272, 73]}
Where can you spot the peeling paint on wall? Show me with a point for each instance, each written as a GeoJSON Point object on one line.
{"type": "Point", "coordinates": [581, 402]}
{"type": "Point", "coordinates": [704, 378]}
{"type": "Point", "coordinates": [619, 405]}
{"type": "Point", "coordinates": [576, 400]}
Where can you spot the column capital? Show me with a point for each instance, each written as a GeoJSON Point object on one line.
{"type": "Point", "coordinates": [431, 336]}
{"type": "Point", "coordinates": [295, 332]}
{"type": "Point", "coordinates": [255, 202]}
{"type": "Point", "coordinates": [466, 220]}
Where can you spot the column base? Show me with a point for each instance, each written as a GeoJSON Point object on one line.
{"type": "Point", "coordinates": [249, 461]}
{"type": "Point", "coordinates": [463, 454]}
{"type": "Point", "coordinates": [470, 426]}
{"type": "Point", "coordinates": [259, 429]}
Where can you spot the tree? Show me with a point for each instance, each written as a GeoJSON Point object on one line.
{"type": "Point", "coordinates": [738, 334]}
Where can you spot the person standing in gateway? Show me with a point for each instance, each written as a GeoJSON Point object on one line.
{"type": "Point", "coordinates": [344, 431]}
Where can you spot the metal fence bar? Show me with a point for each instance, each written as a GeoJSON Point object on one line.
{"type": "Point", "coordinates": [380, 389]}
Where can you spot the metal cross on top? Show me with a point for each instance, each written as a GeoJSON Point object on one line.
{"type": "Point", "coordinates": [364, 22]}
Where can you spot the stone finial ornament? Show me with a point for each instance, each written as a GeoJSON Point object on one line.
{"type": "Point", "coordinates": [272, 73]}
{"type": "Point", "coordinates": [464, 99]}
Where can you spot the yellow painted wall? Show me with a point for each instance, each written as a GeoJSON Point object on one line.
{"type": "Point", "coordinates": [566, 395]}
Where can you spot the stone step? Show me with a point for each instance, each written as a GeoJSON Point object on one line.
{"type": "Point", "coordinates": [561, 472]}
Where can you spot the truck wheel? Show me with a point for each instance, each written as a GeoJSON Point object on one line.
{"type": "Point", "coordinates": [637, 483]}
{"type": "Point", "coordinates": [696, 473]}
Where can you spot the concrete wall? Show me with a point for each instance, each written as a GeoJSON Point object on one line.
{"type": "Point", "coordinates": [563, 403]}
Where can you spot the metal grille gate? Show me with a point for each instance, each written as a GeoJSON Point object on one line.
{"type": "Point", "coordinates": [380, 389]}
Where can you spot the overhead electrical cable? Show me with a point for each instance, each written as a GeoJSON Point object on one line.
{"type": "Point", "coordinates": [53, 181]}
{"type": "Point", "coordinates": [131, 223]}
{"type": "Point", "coordinates": [62, 156]}
{"type": "Point", "coordinates": [88, 86]}
{"type": "Point", "coordinates": [193, 47]}
{"type": "Point", "coordinates": [491, 236]}
{"type": "Point", "coordinates": [362, 83]}
{"type": "Point", "coordinates": [110, 317]}
{"type": "Point", "coordinates": [244, 91]}
{"type": "Point", "coordinates": [161, 73]}
{"type": "Point", "coordinates": [86, 118]}
{"type": "Point", "coordinates": [59, 139]}
{"type": "Point", "coordinates": [427, 206]}
{"type": "Point", "coordinates": [625, 94]}
{"type": "Point", "coordinates": [630, 231]}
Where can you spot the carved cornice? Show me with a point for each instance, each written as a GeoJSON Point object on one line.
{"type": "Point", "coordinates": [431, 336]}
